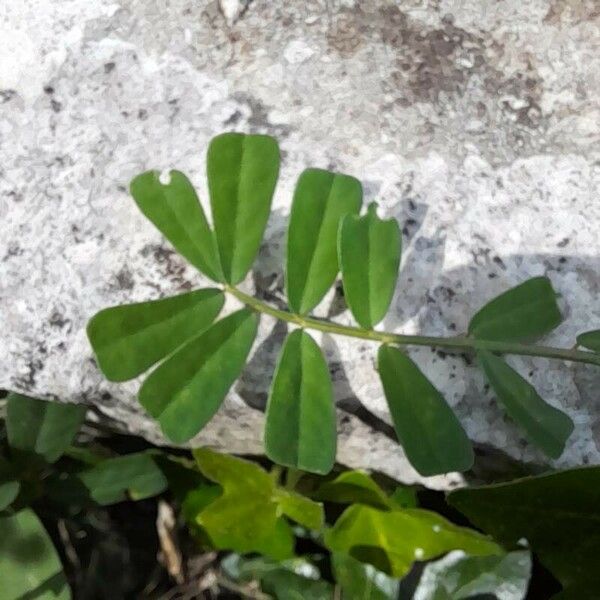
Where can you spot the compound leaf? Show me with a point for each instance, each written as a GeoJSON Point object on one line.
{"type": "Point", "coordinates": [129, 339]}
{"type": "Point", "coordinates": [242, 173]}
{"type": "Point", "coordinates": [186, 390]}
{"type": "Point", "coordinates": [527, 311]}
{"type": "Point", "coordinates": [39, 429]}
{"type": "Point", "coordinates": [175, 210]}
{"type": "Point", "coordinates": [590, 340]}
{"type": "Point", "coordinates": [548, 427]}
{"type": "Point", "coordinates": [320, 202]}
{"type": "Point", "coordinates": [369, 254]}
{"type": "Point", "coordinates": [427, 428]}
{"type": "Point", "coordinates": [300, 429]}
{"type": "Point", "coordinates": [397, 538]}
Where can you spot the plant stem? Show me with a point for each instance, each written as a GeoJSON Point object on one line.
{"type": "Point", "coordinates": [460, 343]}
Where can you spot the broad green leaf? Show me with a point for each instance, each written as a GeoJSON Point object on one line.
{"type": "Point", "coordinates": [527, 311]}
{"type": "Point", "coordinates": [29, 565]}
{"type": "Point", "coordinates": [360, 581]}
{"type": "Point", "coordinates": [558, 514]}
{"type": "Point", "coordinates": [242, 173]}
{"type": "Point", "coordinates": [9, 490]}
{"type": "Point", "coordinates": [547, 427]}
{"type": "Point", "coordinates": [186, 390]}
{"type": "Point", "coordinates": [300, 428]}
{"type": "Point", "coordinates": [175, 210]}
{"type": "Point", "coordinates": [41, 429]}
{"type": "Point", "coordinates": [403, 536]}
{"type": "Point", "coordinates": [404, 497]}
{"type": "Point", "coordinates": [431, 435]}
{"type": "Point", "coordinates": [353, 487]}
{"type": "Point", "coordinates": [304, 511]}
{"type": "Point", "coordinates": [369, 254]}
{"type": "Point", "coordinates": [590, 340]}
{"type": "Point", "coordinates": [129, 339]}
{"type": "Point", "coordinates": [245, 518]}
{"type": "Point", "coordinates": [134, 476]}
{"type": "Point", "coordinates": [321, 200]}
{"type": "Point", "coordinates": [459, 577]}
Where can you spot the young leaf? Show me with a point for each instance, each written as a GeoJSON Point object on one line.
{"type": "Point", "coordinates": [321, 200]}
{"type": "Point", "coordinates": [527, 311]}
{"type": "Point", "coordinates": [590, 340]}
{"type": "Point", "coordinates": [134, 476]}
{"type": "Point", "coordinates": [186, 390]}
{"type": "Point", "coordinates": [42, 430]}
{"type": "Point", "coordinates": [129, 339]}
{"type": "Point", "coordinates": [9, 490]}
{"type": "Point", "coordinates": [242, 172]}
{"type": "Point", "coordinates": [369, 255]}
{"type": "Point", "coordinates": [361, 581]}
{"type": "Point", "coordinates": [29, 564]}
{"type": "Point", "coordinates": [548, 427]}
{"type": "Point", "coordinates": [557, 513]}
{"type": "Point", "coordinates": [300, 429]}
{"type": "Point", "coordinates": [175, 210]}
{"type": "Point", "coordinates": [303, 510]}
{"type": "Point", "coordinates": [353, 487]}
{"type": "Point", "coordinates": [404, 536]}
{"type": "Point", "coordinates": [426, 426]}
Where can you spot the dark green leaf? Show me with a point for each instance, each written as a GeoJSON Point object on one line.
{"type": "Point", "coordinates": [527, 311]}
{"type": "Point", "coordinates": [41, 429]}
{"type": "Point", "coordinates": [129, 339]}
{"type": "Point", "coordinates": [558, 513]}
{"type": "Point", "coordinates": [548, 427]}
{"type": "Point", "coordinates": [505, 577]}
{"type": "Point", "coordinates": [175, 210]}
{"type": "Point", "coordinates": [300, 427]}
{"type": "Point", "coordinates": [590, 340]}
{"type": "Point", "coordinates": [321, 200]}
{"type": "Point", "coordinates": [369, 255]}
{"type": "Point", "coordinates": [9, 490]}
{"type": "Point", "coordinates": [353, 487]}
{"type": "Point", "coordinates": [404, 536]}
{"type": "Point", "coordinates": [29, 565]}
{"type": "Point", "coordinates": [185, 391]}
{"type": "Point", "coordinates": [360, 581]}
{"type": "Point", "coordinates": [304, 511]}
{"type": "Point", "coordinates": [242, 173]}
{"type": "Point", "coordinates": [134, 476]}
{"type": "Point", "coordinates": [426, 426]}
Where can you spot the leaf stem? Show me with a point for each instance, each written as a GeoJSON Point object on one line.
{"type": "Point", "coordinates": [457, 343]}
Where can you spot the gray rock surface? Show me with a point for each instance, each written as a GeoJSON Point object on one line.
{"type": "Point", "coordinates": [476, 123]}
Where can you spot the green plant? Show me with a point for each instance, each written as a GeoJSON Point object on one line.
{"type": "Point", "coordinates": [202, 359]}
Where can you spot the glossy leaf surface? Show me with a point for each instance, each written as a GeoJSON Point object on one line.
{"type": "Point", "coordinates": [186, 390]}
{"type": "Point", "coordinates": [427, 428]}
{"type": "Point", "coordinates": [369, 254]}
{"type": "Point", "coordinates": [590, 340]}
{"type": "Point", "coordinates": [300, 429]}
{"type": "Point", "coordinates": [129, 339]}
{"type": "Point", "coordinates": [320, 202]}
{"type": "Point", "coordinates": [360, 581]}
{"type": "Point", "coordinates": [36, 428]}
{"type": "Point", "coordinates": [546, 426]}
{"type": "Point", "coordinates": [175, 210]}
{"type": "Point", "coordinates": [527, 311]}
{"type": "Point", "coordinates": [242, 172]}
{"type": "Point", "coordinates": [401, 537]}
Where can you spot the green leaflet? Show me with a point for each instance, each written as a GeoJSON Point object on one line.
{"type": "Point", "coordinates": [548, 427]}
{"type": "Point", "coordinates": [300, 429]}
{"type": "Point", "coordinates": [186, 390]}
{"type": "Point", "coordinates": [29, 564]}
{"type": "Point", "coordinates": [360, 581]}
{"type": "Point", "coordinates": [41, 430]}
{"type": "Point", "coordinates": [129, 339]}
{"type": "Point", "coordinates": [304, 511]}
{"type": "Point", "coordinates": [353, 487]}
{"type": "Point", "coordinates": [590, 340]}
{"type": "Point", "coordinates": [401, 537]}
{"type": "Point", "coordinates": [320, 202]}
{"type": "Point", "coordinates": [175, 210]}
{"type": "Point", "coordinates": [242, 173]}
{"type": "Point", "coordinates": [426, 426]}
{"type": "Point", "coordinates": [9, 490]}
{"type": "Point", "coordinates": [134, 476]}
{"type": "Point", "coordinates": [369, 254]}
{"type": "Point", "coordinates": [527, 311]}
{"type": "Point", "coordinates": [558, 514]}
